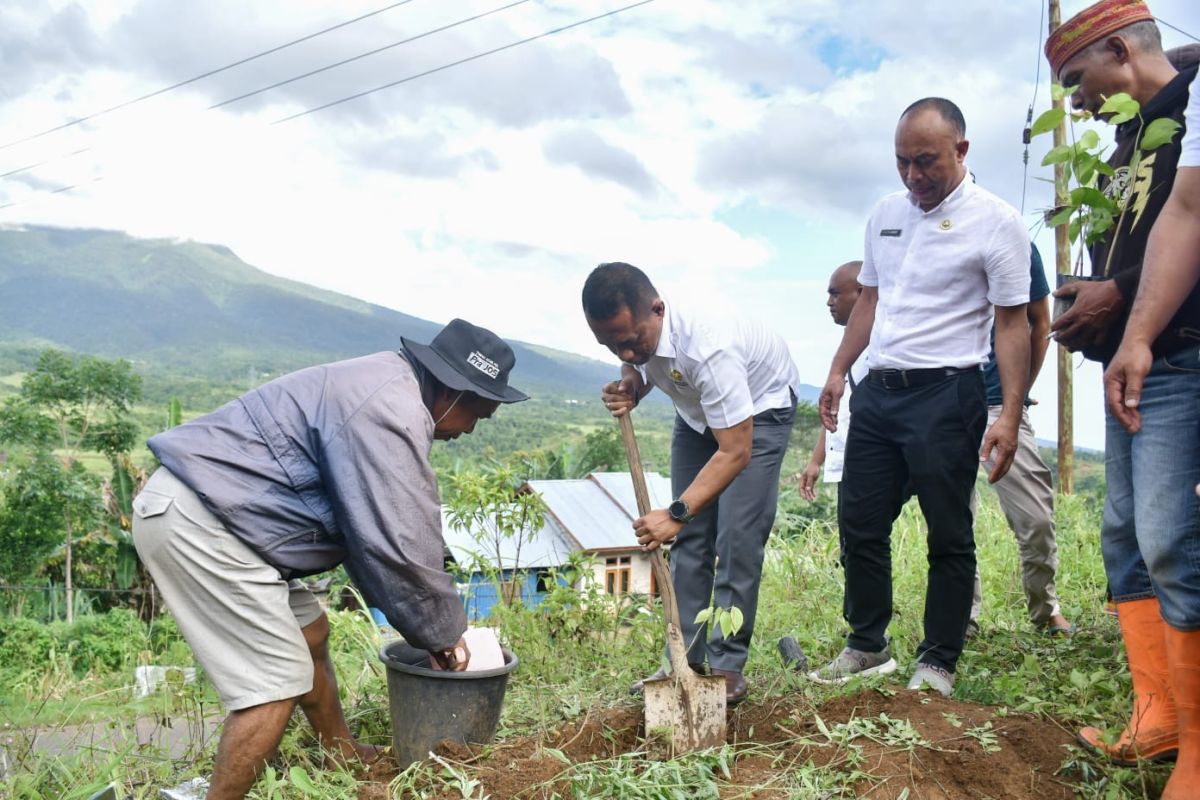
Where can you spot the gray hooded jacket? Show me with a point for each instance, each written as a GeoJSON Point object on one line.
{"type": "Point", "coordinates": [331, 464]}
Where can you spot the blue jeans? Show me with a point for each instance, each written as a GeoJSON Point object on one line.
{"type": "Point", "coordinates": [1151, 531]}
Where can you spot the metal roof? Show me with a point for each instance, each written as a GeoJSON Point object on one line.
{"type": "Point", "coordinates": [592, 513]}
{"type": "Point", "coordinates": [549, 548]}
{"type": "Point", "coordinates": [596, 511]}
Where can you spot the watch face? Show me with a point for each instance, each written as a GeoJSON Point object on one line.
{"type": "Point", "coordinates": [678, 511]}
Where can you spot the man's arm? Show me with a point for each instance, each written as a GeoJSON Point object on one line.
{"type": "Point", "coordinates": [1013, 361]}
{"type": "Point", "coordinates": [812, 470]}
{"type": "Point", "coordinates": [622, 396]}
{"type": "Point", "coordinates": [733, 454]}
{"type": "Point", "coordinates": [854, 341]}
{"type": "Point", "coordinates": [1097, 305]}
{"type": "Point", "coordinates": [1171, 270]}
{"type": "Point", "coordinates": [1038, 314]}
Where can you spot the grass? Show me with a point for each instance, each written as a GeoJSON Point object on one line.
{"type": "Point", "coordinates": [591, 660]}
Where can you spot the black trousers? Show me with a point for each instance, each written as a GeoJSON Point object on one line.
{"type": "Point", "coordinates": [927, 436]}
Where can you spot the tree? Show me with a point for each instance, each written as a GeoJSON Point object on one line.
{"type": "Point", "coordinates": [499, 519]}
{"type": "Point", "coordinates": [68, 405]}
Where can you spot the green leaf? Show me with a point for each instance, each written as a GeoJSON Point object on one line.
{"type": "Point", "coordinates": [1058, 155]}
{"type": "Point", "coordinates": [558, 755]}
{"type": "Point", "coordinates": [1105, 169]}
{"type": "Point", "coordinates": [302, 782]}
{"type": "Point", "coordinates": [1121, 106]}
{"type": "Point", "coordinates": [703, 616]}
{"type": "Point", "coordinates": [1048, 121]}
{"type": "Point", "coordinates": [1085, 169]}
{"type": "Point", "coordinates": [1089, 139]}
{"type": "Point", "coordinates": [1061, 217]}
{"type": "Point", "coordinates": [736, 620]}
{"type": "Point", "coordinates": [1158, 133]}
{"type": "Point", "coordinates": [1073, 229]}
{"type": "Point", "coordinates": [1058, 92]}
{"type": "Point", "coordinates": [1089, 196]}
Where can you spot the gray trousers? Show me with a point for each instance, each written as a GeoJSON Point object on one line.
{"type": "Point", "coordinates": [719, 554]}
{"type": "Point", "coordinates": [1026, 496]}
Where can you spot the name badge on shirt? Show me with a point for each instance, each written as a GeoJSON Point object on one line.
{"type": "Point", "coordinates": [893, 232]}
{"type": "Point", "coordinates": [677, 378]}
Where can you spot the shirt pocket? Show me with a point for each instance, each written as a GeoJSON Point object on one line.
{"type": "Point", "coordinates": [151, 504]}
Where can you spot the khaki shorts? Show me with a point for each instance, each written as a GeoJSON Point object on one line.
{"type": "Point", "coordinates": [241, 618]}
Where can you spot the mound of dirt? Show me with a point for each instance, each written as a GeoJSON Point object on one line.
{"type": "Point", "coordinates": [883, 743]}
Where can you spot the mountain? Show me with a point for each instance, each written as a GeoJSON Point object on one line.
{"type": "Point", "coordinates": [197, 321]}
{"type": "Point", "coordinates": [185, 312]}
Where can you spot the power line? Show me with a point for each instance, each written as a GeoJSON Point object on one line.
{"type": "Point", "coordinates": [461, 61]}
{"type": "Point", "coordinates": [408, 79]}
{"type": "Point", "coordinates": [1162, 21]}
{"type": "Point", "coordinates": [281, 83]}
{"type": "Point", "coordinates": [1026, 134]}
{"type": "Point", "coordinates": [59, 190]}
{"type": "Point", "coordinates": [366, 54]}
{"type": "Point", "coordinates": [28, 167]}
{"type": "Point", "coordinates": [203, 75]}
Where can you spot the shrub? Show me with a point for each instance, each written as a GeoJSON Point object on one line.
{"type": "Point", "coordinates": [104, 642]}
{"type": "Point", "coordinates": [24, 643]}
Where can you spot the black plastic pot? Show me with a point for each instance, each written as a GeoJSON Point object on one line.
{"type": "Point", "coordinates": [428, 706]}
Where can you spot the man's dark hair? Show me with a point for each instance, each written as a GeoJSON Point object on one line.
{"type": "Point", "coordinates": [945, 109]}
{"type": "Point", "coordinates": [614, 286]}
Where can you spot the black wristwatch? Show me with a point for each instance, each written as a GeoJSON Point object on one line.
{"type": "Point", "coordinates": [680, 512]}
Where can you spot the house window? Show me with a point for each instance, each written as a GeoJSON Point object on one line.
{"type": "Point", "coordinates": [617, 571]}
{"type": "Point", "coordinates": [545, 581]}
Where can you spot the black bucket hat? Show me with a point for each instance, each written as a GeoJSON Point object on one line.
{"type": "Point", "coordinates": [468, 358]}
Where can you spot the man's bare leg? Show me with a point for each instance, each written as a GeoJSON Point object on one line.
{"type": "Point", "coordinates": [248, 741]}
{"type": "Point", "coordinates": [322, 705]}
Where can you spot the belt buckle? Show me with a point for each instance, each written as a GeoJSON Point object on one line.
{"type": "Point", "coordinates": [890, 374]}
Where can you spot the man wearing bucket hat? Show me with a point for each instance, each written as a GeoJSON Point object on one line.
{"type": "Point", "coordinates": [325, 466]}
{"type": "Point", "coordinates": [1151, 530]}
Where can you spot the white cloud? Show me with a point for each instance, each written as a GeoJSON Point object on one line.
{"type": "Point", "coordinates": [491, 189]}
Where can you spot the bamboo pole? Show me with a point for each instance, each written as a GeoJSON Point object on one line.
{"type": "Point", "coordinates": [1062, 259]}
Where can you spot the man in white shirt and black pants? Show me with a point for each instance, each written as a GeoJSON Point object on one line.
{"type": "Point", "coordinates": [937, 259]}
{"type": "Point", "coordinates": [733, 384]}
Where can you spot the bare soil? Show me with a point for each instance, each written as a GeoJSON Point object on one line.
{"type": "Point", "coordinates": [1017, 760]}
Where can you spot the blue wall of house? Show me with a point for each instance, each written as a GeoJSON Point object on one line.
{"type": "Point", "coordinates": [483, 592]}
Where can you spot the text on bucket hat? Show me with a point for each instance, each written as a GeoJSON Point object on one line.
{"type": "Point", "coordinates": [468, 358]}
{"type": "Point", "coordinates": [1091, 25]}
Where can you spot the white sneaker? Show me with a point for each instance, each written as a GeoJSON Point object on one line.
{"type": "Point", "coordinates": [195, 789]}
{"type": "Point", "coordinates": [933, 676]}
{"type": "Point", "coordinates": [852, 663]}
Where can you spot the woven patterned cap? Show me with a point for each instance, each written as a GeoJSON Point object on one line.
{"type": "Point", "coordinates": [1091, 25]}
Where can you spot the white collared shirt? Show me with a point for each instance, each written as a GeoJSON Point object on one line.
{"type": "Point", "coordinates": [939, 274]}
{"type": "Point", "coordinates": [720, 369]}
{"type": "Point", "coordinates": [835, 443]}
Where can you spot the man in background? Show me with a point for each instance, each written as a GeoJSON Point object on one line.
{"type": "Point", "coordinates": [1150, 530]}
{"type": "Point", "coordinates": [921, 413]}
{"type": "Point", "coordinates": [1026, 493]}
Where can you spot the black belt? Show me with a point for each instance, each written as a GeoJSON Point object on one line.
{"type": "Point", "coordinates": [906, 378]}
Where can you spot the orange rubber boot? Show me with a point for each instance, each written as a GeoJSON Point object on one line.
{"type": "Point", "coordinates": [1183, 656]}
{"type": "Point", "coordinates": [1152, 733]}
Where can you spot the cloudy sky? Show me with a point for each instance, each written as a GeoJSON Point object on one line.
{"type": "Point", "coordinates": [732, 150]}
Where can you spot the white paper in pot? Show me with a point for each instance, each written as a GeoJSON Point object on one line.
{"type": "Point", "coordinates": [485, 649]}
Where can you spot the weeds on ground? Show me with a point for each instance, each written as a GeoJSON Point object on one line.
{"type": "Point", "coordinates": [580, 651]}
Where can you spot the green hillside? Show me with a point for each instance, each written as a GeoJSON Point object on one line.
{"type": "Point", "coordinates": [200, 323]}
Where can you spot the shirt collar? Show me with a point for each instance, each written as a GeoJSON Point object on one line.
{"type": "Point", "coordinates": [959, 192]}
{"type": "Point", "coordinates": [666, 347]}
